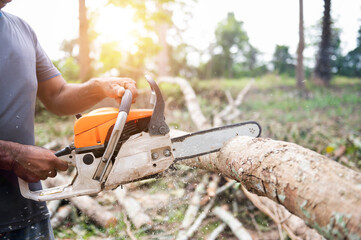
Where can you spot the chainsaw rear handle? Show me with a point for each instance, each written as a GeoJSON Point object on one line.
{"type": "Point", "coordinates": [78, 187]}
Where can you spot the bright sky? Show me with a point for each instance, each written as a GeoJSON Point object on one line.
{"type": "Point", "coordinates": [267, 22]}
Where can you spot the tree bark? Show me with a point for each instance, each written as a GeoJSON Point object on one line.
{"type": "Point", "coordinates": [325, 194]}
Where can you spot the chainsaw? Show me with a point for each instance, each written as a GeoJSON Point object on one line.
{"type": "Point", "coordinates": [113, 147]}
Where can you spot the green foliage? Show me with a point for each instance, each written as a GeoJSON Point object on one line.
{"type": "Point", "coordinates": [350, 65]}
{"type": "Point", "coordinates": [69, 68]}
{"type": "Point", "coordinates": [232, 54]}
{"type": "Point", "coordinates": [283, 63]}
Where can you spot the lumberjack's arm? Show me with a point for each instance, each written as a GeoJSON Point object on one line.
{"type": "Point", "coordinates": [30, 163]}
{"type": "Point", "coordinates": [63, 98]}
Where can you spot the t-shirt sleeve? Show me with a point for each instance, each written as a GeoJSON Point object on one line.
{"type": "Point", "coordinates": [45, 69]}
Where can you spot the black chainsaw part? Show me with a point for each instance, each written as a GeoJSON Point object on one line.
{"type": "Point", "coordinates": [157, 125]}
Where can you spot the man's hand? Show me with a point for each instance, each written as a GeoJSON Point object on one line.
{"type": "Point", "coordinates": [114, 87]}
{"type": "Point", "coordinates": [30, 163]}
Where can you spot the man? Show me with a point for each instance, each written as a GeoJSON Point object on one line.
{"type": "Point", "coordinates": [26, 73]}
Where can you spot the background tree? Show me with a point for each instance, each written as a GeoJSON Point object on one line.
{"type": "Point", "coordinates": [69, 65]}
{"type": "Point", "coordinates": [84, 43]}
{"type": "Point", "coordinates": [300, 75]}
{"type": "Point", "coordinates": [283, 61]}
{"type": "Point", "coordinates": [231, 55]}
{"type": "Point", "coordinates": [351, 64]}
{"type": "Point", "coordinates": [156, 19]}
{"type": "Point", "coordinates": [322, 71]}
{"type": "Point", "coordinates": [233, 41]}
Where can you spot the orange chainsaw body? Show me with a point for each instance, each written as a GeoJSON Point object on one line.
{"type": "Point", "coordinates": [92, 129]}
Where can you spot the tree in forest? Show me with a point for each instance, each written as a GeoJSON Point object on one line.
{"type": "Point", "coordinates": [84, 43]}
{"type": "Point", "coordinates": [68, 64]}
{"type": "Point", "coordinates": [300, 75]}
{"type": "Point", "coordinates": [283, 61]}
{"type": "Point", "coordinates": [336, 56]}
{"type": "Point", "coordinates": [322, 71]}
{"type": "Point", "coordinates": [231, 54]}
{"type": "Point", "coordinates": [232, 41]}
{"type": "Point", "coordinates": [351, 64]}
{"type": "Point", "coordinates": [156, 18]}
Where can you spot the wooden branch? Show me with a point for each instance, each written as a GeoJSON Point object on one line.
{"type": "Point", "coordinates": [191, 101]}
{"type": "Point", "coordinates": [52, 207]}
{"type": "Point", "coordinates": [128, 226]}
{"type": "Point", "coordinates": [192, 209]}
{"type": "Point", "coordinates": [293, 225]}
{"type": "Point", "coordinates": [132, 208]}
{"type": "Point", "coordinates": [199, 220]}
{"type": "Point", "coordinates": [217, 231]}
{"type": "Point", "coordinates": [86, 204]}
{"type": "Point", "coordinates": [320, 191]}
{"type": "Point", "coordinates": [60, 215]}
{"type": "Point", "coordinates": [213, 185]}
{"type": "Point", "coordinates": [231, 112]}
{"type": "Point", "coordinates": [237, 228]}
{"type": "Point", "coordinates": [91, 208]}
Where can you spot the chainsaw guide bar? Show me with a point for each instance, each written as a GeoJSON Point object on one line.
{"type": "Point", "coordinates": [211, 140]}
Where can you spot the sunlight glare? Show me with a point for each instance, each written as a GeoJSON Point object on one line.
{"type": "Point", "coordinates": [117, 24]}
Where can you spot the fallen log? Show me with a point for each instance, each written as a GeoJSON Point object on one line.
{"type": "Point", "coordinates": [322, 192]}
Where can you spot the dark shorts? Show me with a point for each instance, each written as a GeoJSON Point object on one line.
{"type": "Point", "coordinates": [37, 231]}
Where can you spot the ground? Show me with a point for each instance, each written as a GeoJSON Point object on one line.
{"type": "Point", "coordinates": [326, 120]}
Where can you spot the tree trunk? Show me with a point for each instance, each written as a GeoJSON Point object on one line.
{"type": "Point", "coordinates": [322, 192]}
{"type": "Point", "coordinates": [163, 55]}
{"type": "Point", "coordinates": [301, 45]}
{"type": "Point", "coordinates": [322, 72]}
{"type": "Point", "coordinates": [84, 59]}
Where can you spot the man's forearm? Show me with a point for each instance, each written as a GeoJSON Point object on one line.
{"type": "Point", "coordinates": [65, 99]}
{"type": "Point", "coordinates": [7, 149]}
{"type": "Point", "coordinates": [75, 98]}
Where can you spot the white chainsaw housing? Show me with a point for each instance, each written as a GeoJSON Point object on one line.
{"type": "Point", "coordinates": [140, 156]}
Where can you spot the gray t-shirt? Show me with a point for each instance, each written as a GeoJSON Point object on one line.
{"type": "Point", "coordinates": [23, 63]}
